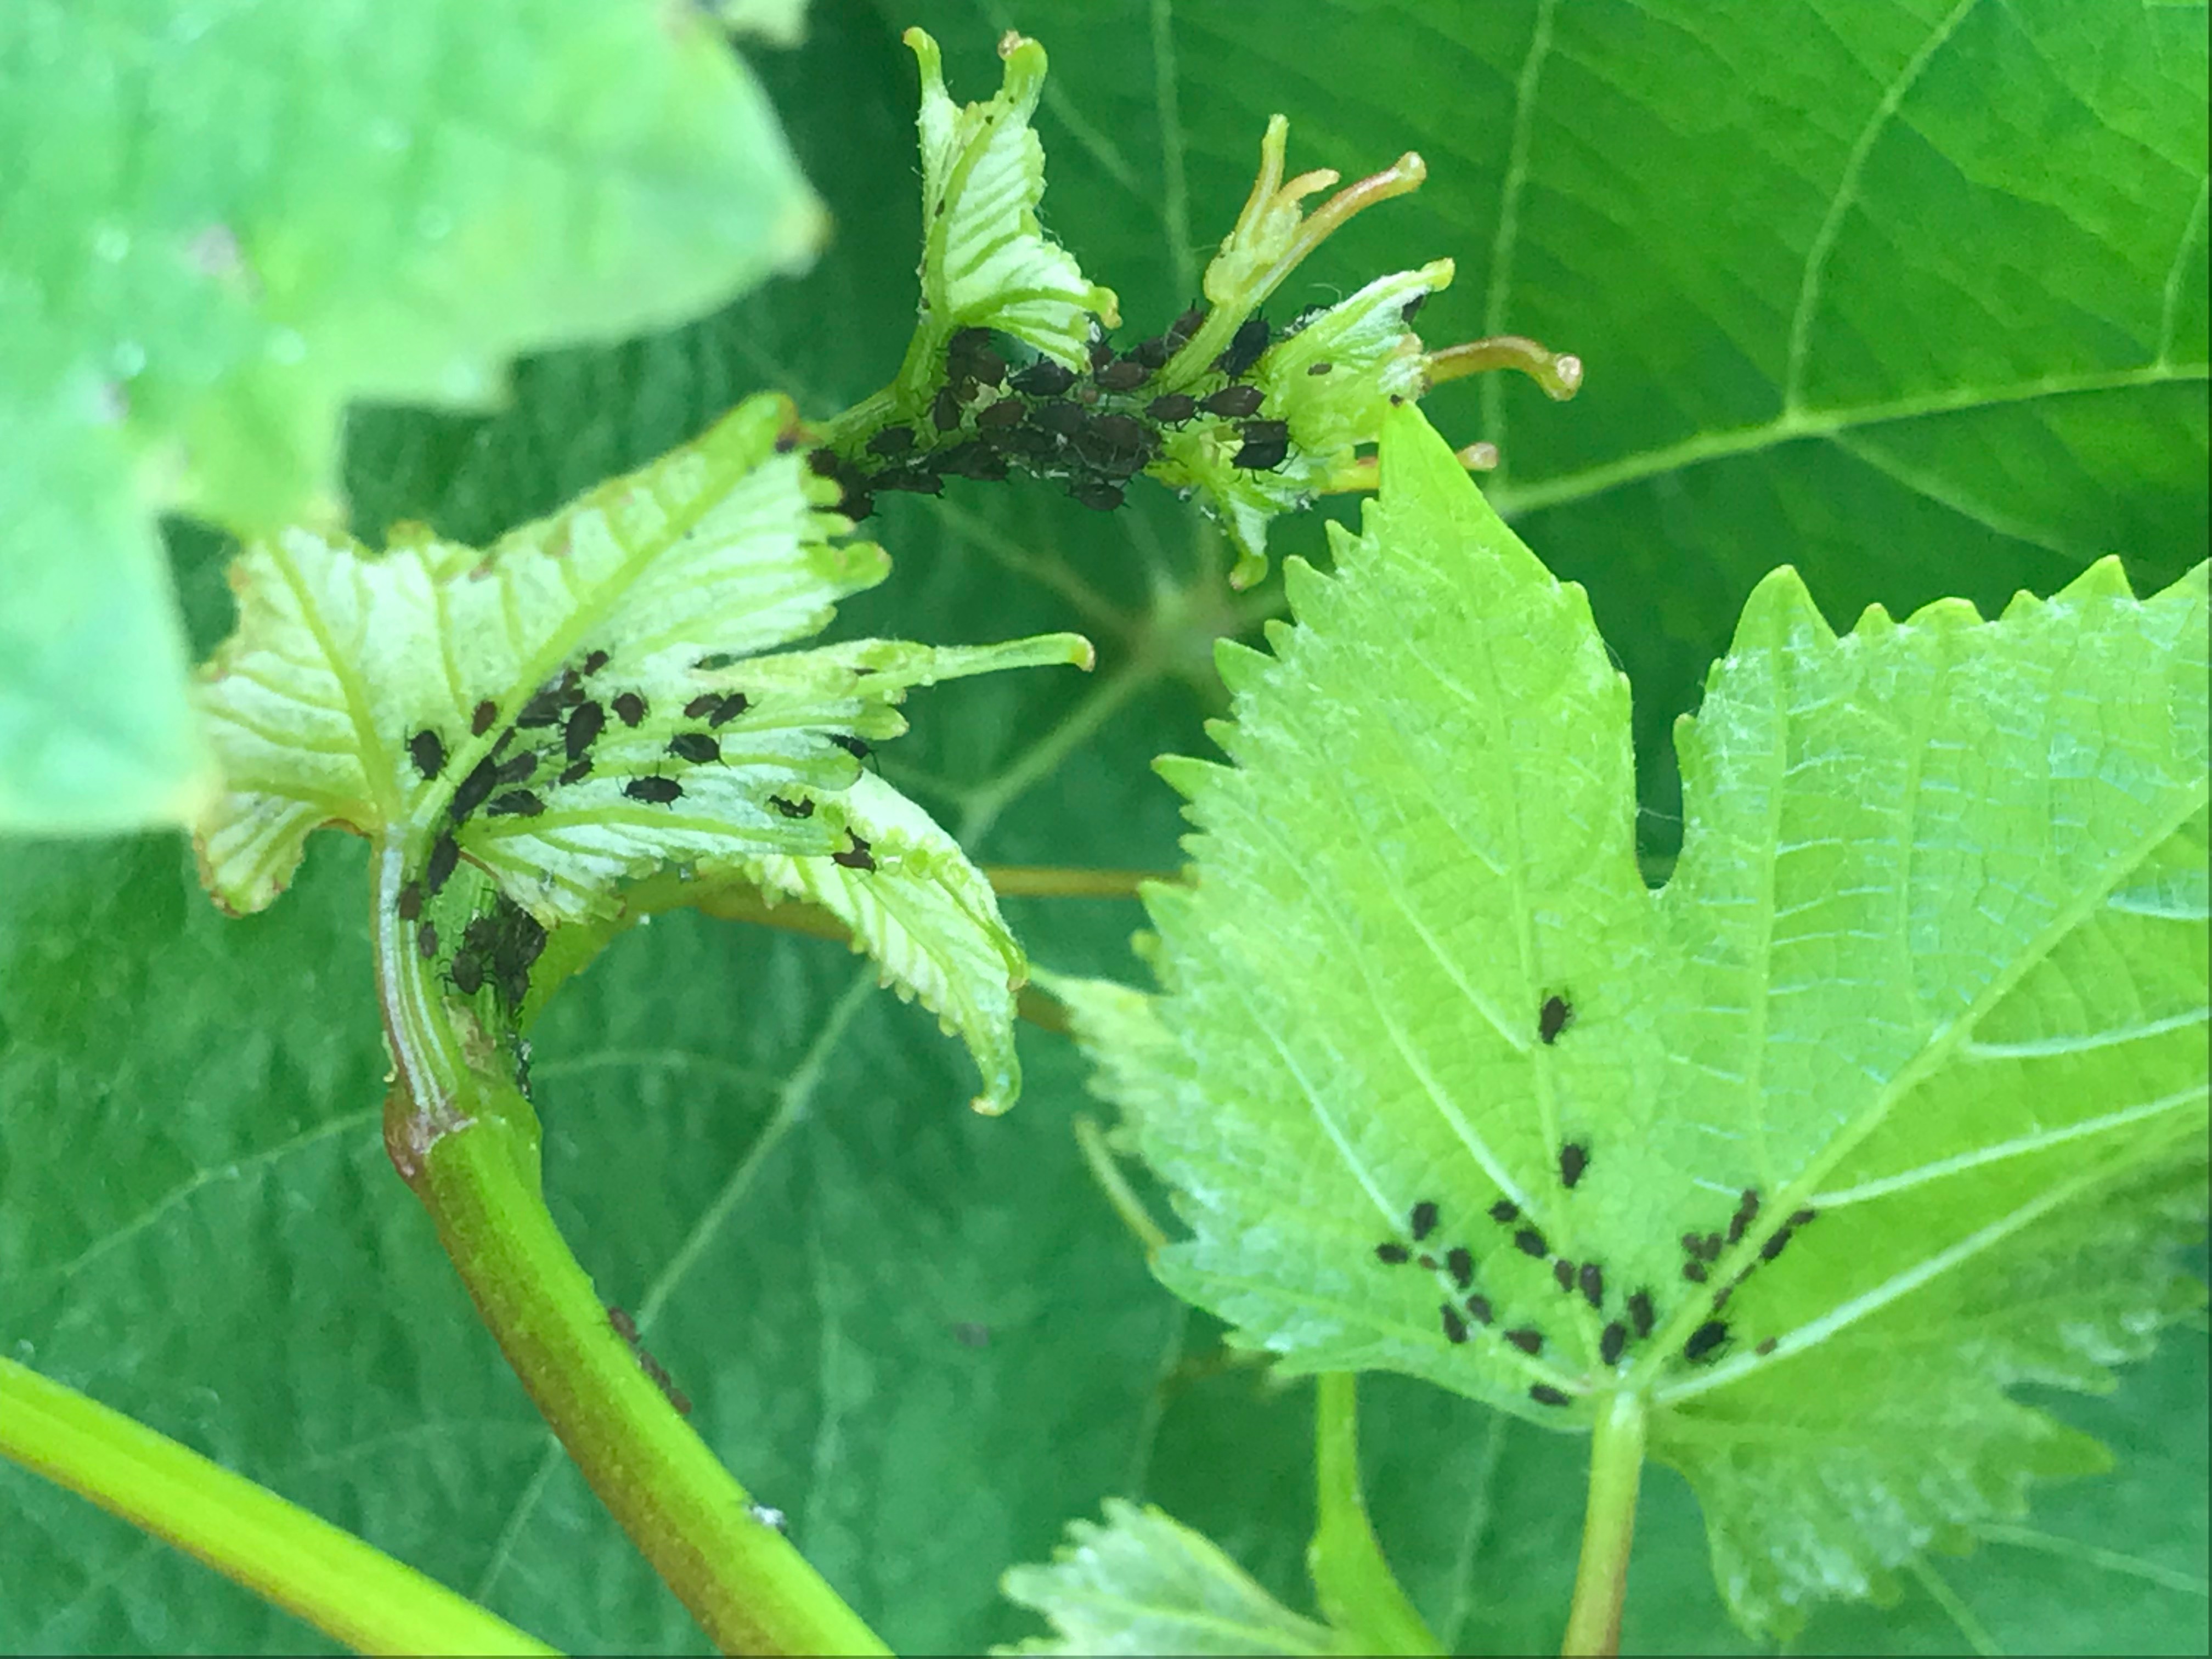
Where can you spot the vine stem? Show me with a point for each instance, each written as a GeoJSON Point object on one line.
{"type": "Point", "coordinates": [1359, 1594]}
{"type": "Point", "coordinates": [1608, 1527]}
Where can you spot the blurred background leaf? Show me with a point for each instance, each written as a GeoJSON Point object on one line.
{"type": "Point", "coordinates": [924, 1336]}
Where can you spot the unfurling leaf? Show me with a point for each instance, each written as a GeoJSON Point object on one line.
{"type": "Point", "coordinates": [1908, 1059]}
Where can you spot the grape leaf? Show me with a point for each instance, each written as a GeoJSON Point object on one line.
{"type": "Point", "coordinates": [589, 699]}
{"type": "Point", "coordinates": [1442, 1090]}
{"type": "Point", "coordinates": [1142, 1584]}
{"type": "Point", "coordinates": [225, 226]}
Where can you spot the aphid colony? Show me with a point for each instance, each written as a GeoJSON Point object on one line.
{"type": "Point", "coordinates": [1465, 1310]}
{"type": "Point", "coordinates": [1093, 431]}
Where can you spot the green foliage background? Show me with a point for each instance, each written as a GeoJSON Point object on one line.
{"type": "Point", "coordinates": [2003, 377]}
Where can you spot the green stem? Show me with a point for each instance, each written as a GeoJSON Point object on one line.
{"type": "Point", "coordinates": [1608, 1527]}
{"type": "Point", "coordinates": [345, 1588]}
{"type": "Point", "coordinates": [1359, 1594]}
{"type": "Point", "coordinates": [749, 1590]}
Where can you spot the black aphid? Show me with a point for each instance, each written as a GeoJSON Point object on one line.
{"type": "Point", "coordinates": [1556, 1015]}
{"type": "Point", "coordinates": [517, 770]}
{"type": "Point", "coordinates": [891, 440]}
{"type": "Point", "coordinates": [1261, 454]}
{"type": "Point", "coordinates": [856, 747]}
{"type": "Point", "coordinates": [805, 809]}
{"type": "Point", "coordinates": [426, 940]}
{"type": "Point", "coordinates": [428, 750]}
{"type": "Point", "coordinates": [1529, 1242]}
{"type": "Point", "coordinates": [1527, 1341]}
{"type": "Point", "coordinates": [1746, 1213]}
{"type": "Point", "coordinates": [1043, 379]}
{"type": "Point", "coordinates": [1264, 432]}
{"type": "Point", "coordinates": [1426, 1261]}
{"type": "Point", "coordinates": [1704, 1340]}
{"type": "Point", "coordinates": [1235, 401]}
{"type": "Point", "coordinates": [480, 721]}
{"type": "Point", "coordinates": [1765, 1348]}
{"type": "Point", "coordinates": [625, 1326]}
{"type": "Point", "coordinates": [1424, 1218]}
{"type": "Point", "coordinates": [410, 901]}
{"type": "Point", "coordinates": [1776, 1245]}
{"type": "Point", "coordinates": [1101, 349]}
{"type": "Point", "coordinates": [1153, 352]}
{"type": "Point", "coordinates": [1110, 436]}
{"type": "Point", "coordinates": [481, 937]}
{"type": "Point", "coordinates": [973, 460]}
{"type": "Point", "coordinates": [1184, 327]}
{"type": "Point", "coordinates": [729, 708]}
{"type": "Point", "coordinates": [1066, 419]}
{"type": "Point", "coordinates": [697, 747]}
{"type": "Point", "coordinates": [515, 804]}
{"type": "Point", "coordinates": [1455, 1327]}
{"type": "Point", "coordinates": [1564, 1271]}
{"type": "Point", "coordinates": [1005, 412]}
{"type": "Point", "coordinates": [1173, 410]}
{"type": "Point", "coordinates": [1592, 1280]}
{"type": "Point", "coordinates": [546, 705]}
{"type": "Point", "coordinates": [479, 783]}
{"type": "Point", "coordinates": [1504, 1211]}
{"type": "Point", "coordinates": [1613, 1342]}
{"type": "Point", "coordinates": [1244, 347]}
{"type": "Point", "coordinates": [1802, 1218]}
{"type": "Point", "coordinates": [945, 410]}
{"type": "Point", "coordinates": [1709, 1247]}
{"type": "Point", "coordinates": [655, 792]}
{"type": "Point", "coordinates": [1545, 1395]}
{"type": "Point", "coordinates": [1574, 1158]}
{"type": "Point", "coordinates": [630, 708]}
{"type": "Point", "coordinates": [468, 974]}
{"type": "Point", "coordinates": [594, 662]}
{"type": "Point", "coordinates": [824, 463]}
{"type": "Point", "coordinates": [1639, 1312]}
{"type": "Point", "coordinates": [1478, 1310]}
{"type": "Point", "coordinates": [1124, 375]}
{"type": "Point", "coordinates": [1458, 1261]}
{"type": "Point", "coordinates": [585, 722]}
{"type": "Point", "coordinates": [1412, 308]}
{"type": "Point", "coordinates": [1392, 1255]}
{"type": "Point", "coordinates": [1694, 1272]}
{"type": "Point", "coordinates": [1319, 369]}
{"type": "Point", "coordinates": [444, 853]}
{"type": "Point", "coordinates": [577, 771]}
{"type": "Point", "coordinates": [1097, 495]}
{"type": "Point", "coordinates": [856, 857]}
{"type": "Point", "coordinates": [701, 705]}
{"type": "Point", "coordinates": [1692, 1245]}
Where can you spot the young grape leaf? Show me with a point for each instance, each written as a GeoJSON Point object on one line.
{"type": "Point", "coordinates": [1142, 1583]}
{"type": "Point", "coordinates": [589, 699]}
{"type": "Point", "coordinates": [1898, 1087]}
{"type": "Point", "coordinates": [224, 225]}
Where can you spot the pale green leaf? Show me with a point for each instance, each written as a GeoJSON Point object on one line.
{"type": "Point", "coordinates": [1930, 981]}
{"type": "Point", "coordinates": [1143, 1584]}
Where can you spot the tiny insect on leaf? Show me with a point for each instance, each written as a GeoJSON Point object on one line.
{"type": "Point", "coordinates": [1612, 1342]}
{"type": "Point", "coordinates": [428, 750]}
{"type": "Point", "coordinates": [1545, 1395]}
{"type": "Point", "coordinates": [631, 708]}
{"type": "Point", "coordinates": [1458, 1261]}
{"type": "Point", "coordinates": [1424, 1218]}
{"type": "Point", "coordinates": [1527, 1341]}
{"type": "Point", "coordinates": [1455, 1327]}
{"type": "Point", "coordinates": [1392, 1255]}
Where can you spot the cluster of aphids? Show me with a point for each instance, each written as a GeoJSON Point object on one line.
{"type": "Point", "coordinates": [626, 1329]}
{"type": "Point", "coordinates": [1466, 1311]}
{"type": "Point", "coordinates": [548, 747]}
{"type": "Point", "coordinates": [1094, 431]}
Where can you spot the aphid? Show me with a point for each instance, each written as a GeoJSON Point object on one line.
{"type": "Point", "coordinates": [1392, 1255]}
{"type": "Point", "coordinates": [856, 857]}
{"type": "Point", "coordinates": [1458, 1261]}
{"type": "Point", "coordinates": [1765, 1348]}
{"type": "Point", "coordinates": [630, 707]}
{"type": "Point", "coordinates": [805, 809]}
{"type": "Point", "coordinates": [594, 662]}
{"type": "Point", "coordinates": [1692, 1245]}
{"type": "Point", "coordinates": [1235, 401]}
{"type": "Point", "coordinates": [1043, 379]}
{"type": "Point", "coordinates": [1153, 352]}
{"type": "Point", "coordinates": [1775, 1246]}
{"type": "Point", "coordinates": [1554, 1017]}
{"type": "Point", "coordinates": [516, 803]}
{"type": "Point", "coordinates": [517, 770]}
{"type": "Point", "coordinates": [1528, 1341]}
{"type": "Point", "coordinates": [1184, 327]}
{"type": "Point", "coordinates": [1125, 374]}
{"type": "Point", "coordinates": [856, 747]}
{"type": "Point", "coordinates": [1427, 1261]}
{"type": "Point", "coordinates": [973, 460]}
{"type": "Point", "coordinates": [945, 410]}
{"type": "Point", "coordinates": [1004, 413]}
{"type": "Point", "coordinates": [1264, 432]}
{"type": "Point", "coordinates": [1261, 455]}
{"type": "Point", "coordinates": [1612, 1342]}
{"type": "Point", "coordinates": [1173, 410]}
{"type": "Point", "coordinates": [657, 792]}
{"type": "Point", "coordinates": [444, 853]}
{"type": "Point", "coordinates": [1066, 419]}
{"type": "Point", "coordinates": [914, 483]}
{"type": "Point", "coordinates": [1424, 1219]}
{"type": "Point", "coordinates": [468, 974]}
{"type": "Point", "coordinates": [1746, 1213]}
{"type": "Point", "coordinates": [586, 722]}
{"type": "Point", "coordinates": [543, 707]}
{"type": "Point", "coordinates": [729, 708]}
{"type": "Point", "coordinates": [480, 721]}
{"type": "Point", "coordinates": [426, 940]}
{"type": "Point", "coordinates": [1694, 1272]}
{"type": "Point", "coordinates": [427, 752]}
{"type": "Point", "coordinates": [822, 462]}
{"type": "Point", "coordinates": [1709, 1247]}
{"type": "Point", "coordinates": [577, 771]}
{"type": "Point", "coordinates": [479, 783]}
{"type": "Point", "coordinates": [1545, 1395]}
{"type": "Point", "coordinates": [1412, 308]}
{"type": "Point", "coordinates": [701, 705]}
{"type": "Point", "coordinates": [1244, 347]}
{"type": "Point", "coordinates": [1592, 1280]}
{"type": "Point", "coordinates": [1117, 435]}
{"type": "Point", "coordinates": [1574, 1158]}
{"type": "Point", "coordinates": [1529, 1242]}
{"type": "Point", "coordinates": [1505, 1212]}
{"type": "Point", "coordinates": [697, 747]}
{"type": "Point", "coordinates": [891, 440]}
{"type": "Point", "coordinates": [968, 356]}
{"type": "Point", "coordinates": [625, 1326]}
{"type": "Point", "coordinates": [1319, 369]}
{"type": "Point", "coordinates": [1037, 446]}
{"type": "Point", "coordinates": [1101, 351]}
{"type": "Point", "coordinates": [1455, 1327]}
{"type": "Point", "coordinates": [1704, 1340]}
{"type": "Point", "coordinates": [410, 902]}
{"type": "Point", "coordinates": [1564, 1271]}
{"type": "Point", "coordinates": [1802, 1218]}
{"type": "Point", "coordinates": [1478, 1310]}
{"type": "Point", "coordinates": [1639, 1312]}
{"type": "Point", "coordinates": [1097, 495]}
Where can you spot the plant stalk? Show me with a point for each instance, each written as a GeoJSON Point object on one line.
{"type": "Point", "coordinates": [1359, 1594]}
{"type": "Point", "coordinates": [1608, 1527]}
